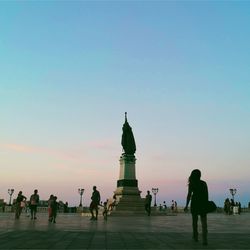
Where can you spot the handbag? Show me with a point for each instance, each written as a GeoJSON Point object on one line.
{"type": "Point", "coordinates": [211, 207]}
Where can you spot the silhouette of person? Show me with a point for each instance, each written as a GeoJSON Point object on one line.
{"type": "Point", "coordinates": [34, 200]}
{"type": "Point", "coordinates": [95, 201]}
{"type": "Point", "coordinates": [198, 194]}
{"type": "Point", "coordinates": [148, 200]}
{"type": "Point", "coordinates": [66, 207]}
{"type": "Point", "coordinates": [113, 204]}
{"type": "Point", "coordinates": [50, 202]}
{"type": "Point", "coordinates": [175, 206]}
{"type": "Point", "coordinates": [105, 210]}
{"type": "Point", "coordinates": [172, 206]}
{"type": "Point", "coordinates": [232, 204]}
{"type": "Point", "coordinates": [164, 205]}
{"type": "Point", "coordinates": [239, 204]}
{"type": "Point", "coordinates": [160, 207]}
{"type": "Point", "coordinates": [227, 206]}
{"type": "Point", "coordinates": [54, 208]}
{"type": "Point", "coordinates": [20, 198]}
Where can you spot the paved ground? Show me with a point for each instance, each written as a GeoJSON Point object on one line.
{"type": "Point", "coordinates": [73, 231]}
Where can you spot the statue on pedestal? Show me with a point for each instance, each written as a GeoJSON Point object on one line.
{"type": "Point", "coordinates": [128, 199]}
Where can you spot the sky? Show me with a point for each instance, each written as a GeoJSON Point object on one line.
{"type": "Point", "coordinates": [69, 70]}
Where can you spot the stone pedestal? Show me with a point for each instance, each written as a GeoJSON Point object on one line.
{"type": "Point", "coordinates": [127, 193]}
{"type": "Point", "coordinates": [127, 183]}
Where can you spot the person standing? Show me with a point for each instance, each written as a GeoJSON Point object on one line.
{"type": "Point", "coordinates": [165, 205]}
{"type": "Point", "coordinates": [148, 200]}
{"type": "Point", "coordinates": [54, 208]}
{"type": "Point", "coordinates": [66, 207]}
{"type": "Point", "coordinates": [239, 204]}
{"type": "Point", "coordinates": [19, 200]}
{"type": "Point", "coordinates": [172, 206]}
{"type": "Point", "coordinates": [198, 194]}
{"type": "Point", "coordinates": [105, 210]}
{"type": "Point", "coordinates": [95, 201]}
{"type": "Point", "coordinates": [34, 200]}
{"type": "Point", "coordinates": [50, 201]}
{"type": "Point", "coordinates": [113, 203]}
{"type": "Point", "coordinates": [227, 206]}
{"type": "Point", "coordinates": [175, 206]}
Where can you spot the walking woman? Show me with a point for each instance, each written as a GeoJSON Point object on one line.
{"type": "Point", "coordinates": [198, 194]}
{"type": "Point", "coordinates": [50, 203]}
{"type": "Point", "coordinates": [19, 204]}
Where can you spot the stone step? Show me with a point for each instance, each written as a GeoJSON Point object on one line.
{"type": "Point", "coordinates": [130, 202]}
{"type": "Point", "coordinates": [129, 205]}
{"type": "Point", "coordinates": [129, 208]}
{"type": "Point", "coordinates": [128, 213]}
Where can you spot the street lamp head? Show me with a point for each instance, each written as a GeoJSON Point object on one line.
{"type": "Point", "coordinates": [155, 190]}
{"type": "Point", "coordinates": [80, 191]}
{"type": "Point", "coordinates": [10, 191]}
{"type": "Point", "coordinates": [233, 191]}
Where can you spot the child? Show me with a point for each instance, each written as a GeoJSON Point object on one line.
{"type": "Point", "coordinates": [54, 206]}
{"type": "Point", "coordinates": [50, 201]}
{"type": "Point", "coordinates": [105, 210]}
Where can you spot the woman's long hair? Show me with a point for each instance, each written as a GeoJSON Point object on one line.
{"type": "Point", "coordinates": [194, 177]}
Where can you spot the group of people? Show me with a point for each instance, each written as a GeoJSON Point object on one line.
{"type": "Point", "coordinates": [148, 200]}
{"type": "Point", "coordinates": [22, 202]}
{"type": "Point", "coordinates": [174, 206]}
{"type": "Point", "coordinates": [96, 201]}
{"type": "Point", "coordinates": [197, 194]}
{"type": "Point", "coordinates": [229, 206]}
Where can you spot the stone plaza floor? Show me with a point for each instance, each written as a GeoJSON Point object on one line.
{"type": "Point", "coordinates": [73, 231]}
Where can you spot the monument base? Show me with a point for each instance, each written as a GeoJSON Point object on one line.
{"type": "Point", "coordinates": [128, 196]}
{"type": "Point", "coordinates": [128, 202]}
{"type": "Point", "coordinates": [129, 205]}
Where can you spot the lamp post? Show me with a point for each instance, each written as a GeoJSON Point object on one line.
{"type": "Point", "coordinates": [10, 192]}
{"type": "Point", "coordinates": [155, 191]}
{"type": "Point", "coordinates": [80, 191]}
{"type": "Point", "coordinates": [233, 192]}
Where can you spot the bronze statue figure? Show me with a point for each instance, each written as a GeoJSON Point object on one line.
{"type": "Point", "coordinates": [128, 141]}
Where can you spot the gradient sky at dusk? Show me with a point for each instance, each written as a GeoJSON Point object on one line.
{"type": "Point", "coordinates": [69, 71]}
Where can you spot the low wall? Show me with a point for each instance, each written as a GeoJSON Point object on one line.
{"type": "Point", "coordinates": [10, 209]}
{"type": "Point", "coordinates": [85, 210]}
